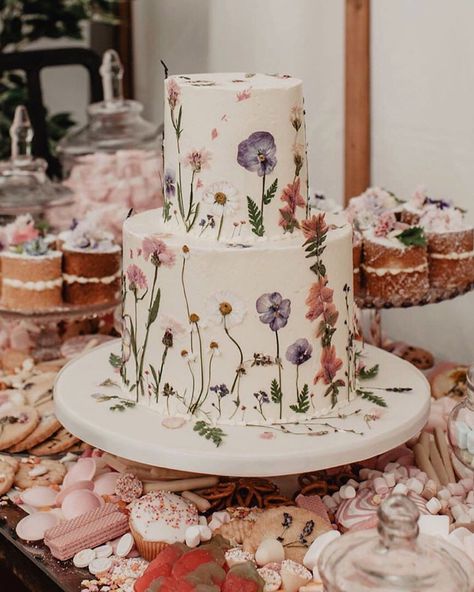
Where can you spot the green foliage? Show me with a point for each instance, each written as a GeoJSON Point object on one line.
{"type": "Point", "coordinates": [25, 21]}
{"type": "Point", "coordinates": [366, 373]}
{"type": "Point", "coordinates": [413, 236]}
{"type": "Point", "coordinates": [115, 361]}
{"type": "Point", "coordinates": [302, 402]}
{"type": "Point", "coordinates": [255, 217]}
{"type": "Point", "coordinates": [209, 432]}
{"type": "Point", "coordinates": [275, 392]}
{"type": "Point", "coordinates": [372, 397]}
{"type": "Point", "coordinates": [270, 193]}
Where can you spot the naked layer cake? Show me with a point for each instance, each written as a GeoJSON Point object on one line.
{"type": "Point", "coordinates": [91, 265]}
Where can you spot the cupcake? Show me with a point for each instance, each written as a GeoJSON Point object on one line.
{"type": "Point", "coordinates": [159, 519]}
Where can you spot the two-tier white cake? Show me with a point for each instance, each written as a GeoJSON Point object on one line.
{"type": "Point", "coordinates": [237, 300]}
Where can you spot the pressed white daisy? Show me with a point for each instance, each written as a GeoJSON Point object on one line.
{"type": "Point", "coordinates": [222, 198]}
{"type": "Point", "coordinates": [225, 306]}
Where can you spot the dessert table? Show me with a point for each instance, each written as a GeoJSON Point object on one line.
{"type": "Point", "coordinates": [32, 565]}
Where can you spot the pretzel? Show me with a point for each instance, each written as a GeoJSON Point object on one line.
{"type": "Point", "coordinates": [274, 500]}
{"type": "Point", "coordinates": [251, 492]}
{"type": "Point", "coordinates": [219, 496]}
{"type": "Point", "coordinates": [320, 488]}
{"type": "Point", "coordinates": [308, 478]}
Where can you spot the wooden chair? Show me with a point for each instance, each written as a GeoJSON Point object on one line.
{"type": "Point", "coordinates": [32, 63]}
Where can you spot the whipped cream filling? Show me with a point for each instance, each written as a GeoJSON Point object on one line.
{"type": "Point", "coordinates": [454, 256]}
{"type": "Point", "coordinates": [34, 286]}
{"type": "Point", "coordinates": [394, 271]}
{"type": "Point", "coordinates": [77, 279]}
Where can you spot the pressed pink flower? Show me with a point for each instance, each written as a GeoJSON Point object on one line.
{"type": "Point", "coordinates": [197, 159]}
{"type": "Point", "coordinates": [214, 133]}
{"type": "Point", "coordinates": [292, 196]}
{"type": "Point", "coordinates": [330, 364]}
{"type": "Point", "coordinates": [158, 251]}
{"type": "Point", "coordinates": [267, 435]}
{"type": "Point", "coordinates": [287, 219]}
{"type": "Point", "coordinates": [136, 278]}
{"type": "Point", "coordinates": [174, 93]}
{"type": "Point", "coordinates": [243, 95]}
{"type": "Point", "coordinates": [318, 298]}
{"type": "Point", "coordinates": [24, 234]}
{"type": "Point", "coordinates": [385, 224]}
{"type": "Point", "coordinates": [296, 116]}
{"type": "Point", "coordinates": [314, 226]}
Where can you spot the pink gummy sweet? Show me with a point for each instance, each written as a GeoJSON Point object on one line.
{"type": "Point", "coordinates": [73, 487]}
{"type": "Point", "coordinates": [105, 483]}
{"type": "Point", "coordinates": [83, 470]}
{"type": "Point", "coordinates": [33, 526]}
{"type": "Point", "coordinates": [39, 497]}
{"type": "Point", "coordinates": [80, 502]}
{"type": "Point", "coordinates": [313, 503]}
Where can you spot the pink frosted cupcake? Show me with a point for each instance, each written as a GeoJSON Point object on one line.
{"type": "Point", "coordinates": [159, 519]}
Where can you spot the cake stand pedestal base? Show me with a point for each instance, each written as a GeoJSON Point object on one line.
{"type": "Point", "coordinates": [89, 404]}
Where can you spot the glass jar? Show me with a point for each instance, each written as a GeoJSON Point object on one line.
{"type": "Point", "coordinates": [461, 425]}
{"type": "Point", "coordinates": [394, 558]}
{"type": "Point", "coordinates": [115, 160]}
{"type": "Point", "coordinates": [24, 186]}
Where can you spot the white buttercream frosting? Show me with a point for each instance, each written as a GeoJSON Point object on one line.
{"type": "Point", "coordinates": [442, 220]}
{"type": "Point", "coordinates": [162, 516]}
{"type": "Point", "coordinates": [218, 113]}
{"type": "Point", "coordinates": [453, 255]}
{"type": "Point", "coordinates": [394, 270]}
{"type": "Point", "coordinates": [217, 273]}
{"type": "Point", "coordinates": [33, 286]}
{"type": "Point", "coordinates": [77, 279]}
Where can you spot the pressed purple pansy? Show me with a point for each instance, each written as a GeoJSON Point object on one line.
{"type": "Point", "coordinates": [299, 352]}
{"type": "Point", "coordinates": [274, 310]}
{"type": "Point", "coordinates": [170, 183]}
{"type": "Point", "coordinates": [258, 153]}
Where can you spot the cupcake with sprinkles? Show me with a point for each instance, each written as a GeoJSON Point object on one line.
{"type": "Point", "coordinates": [159, 519]}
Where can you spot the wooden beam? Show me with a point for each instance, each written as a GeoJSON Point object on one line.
{"type": "Point", "coordinates": [357, 98]}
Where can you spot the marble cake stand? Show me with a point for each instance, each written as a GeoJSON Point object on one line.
{"type": "Point", "coordinates": [138, 434]}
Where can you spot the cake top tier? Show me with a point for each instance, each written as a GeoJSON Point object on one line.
{"type": "Point", "coordinates": [235, 156]}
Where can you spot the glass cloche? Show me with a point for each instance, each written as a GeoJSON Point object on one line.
{"type": "Point", "coordinates": [395, 558]}
{"type": "Point", "coordinates": [24, 186]}
{"type": "Point", "coordinates": [115, 124]}
{"type": "Point", "coordinates": [461, 425]}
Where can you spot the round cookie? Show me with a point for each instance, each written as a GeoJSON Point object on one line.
{"type": "Point", "coordinates": [7, 477]}
{"type": "Point", "coordinates": [39, 389]}
{"type": "Point", "coordinates": [46, 427]}
{"type": "Point", "coordinates": [46, 472]}
{"type": "Point", "coordinates": [11, 460]}
{"type": "Point", "coordinates": [419, 357]}
{"type": "Point", "coordinates": [295, 528]}
{"type": "Point", "coordinates": [16, 424]}
{"type": "Point", "coordinates": [11, 398]}
{"type": "Point", "coordinates": [62, 440]}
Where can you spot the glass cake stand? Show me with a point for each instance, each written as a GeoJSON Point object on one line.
{"type": "Point", "coordinates": [47, 339]}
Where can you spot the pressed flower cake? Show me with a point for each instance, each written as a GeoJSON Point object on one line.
{"type": "Point", "coordinates": [237, 300]}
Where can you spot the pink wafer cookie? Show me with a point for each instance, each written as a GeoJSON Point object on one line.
{"type": "Point", "coordinates": [86, 531]}
{"type": "Point", "coordinates": [313, 503]}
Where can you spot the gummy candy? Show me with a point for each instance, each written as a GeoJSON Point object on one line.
{"type": "Point", "coordinates": [243, 577]}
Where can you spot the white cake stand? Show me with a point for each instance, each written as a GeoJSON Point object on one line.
{"type": "Point", "coordinates": [138, 434]}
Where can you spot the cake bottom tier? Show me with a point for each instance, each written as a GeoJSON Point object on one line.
{"type": "Point", "coordinates": [236, 333]}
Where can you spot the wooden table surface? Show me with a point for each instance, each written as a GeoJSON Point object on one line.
{"type": "Point", "coordinates": [33, 565]}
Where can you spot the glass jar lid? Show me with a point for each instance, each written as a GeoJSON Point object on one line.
{"type": "Point", "coordinates": [461, 425]}
{"type": "Point", "coordinates": [24, 185]}
{"type": "Point", "coordinates": [394, 557]}
{"type": "Point", "coordinates": [113, 124]}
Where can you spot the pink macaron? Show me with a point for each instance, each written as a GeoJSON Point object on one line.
{"type": "Point", "coordinates": [33, 526]}
{"type": "Point", "coordinates": [73, 487]}
{"type": "Point", "coordinates": [39, 496]}
{"type": "Point", "coordinates": [79, 502]}
{"type": "Point", "coordinates": [83, 470]}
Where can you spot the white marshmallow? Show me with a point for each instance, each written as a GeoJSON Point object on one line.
{"type": "Point", "coordinates": [312, 554]}
{"type": "Point", "coordinates": [380, 485]}
{"type": "Point", "coordinates": [347, 492]}
{"type": "Point", "coordinates": [389, 479]}
{"type": "Point", "coordinates": [400, 488]}
{"type": "Point", "coordinates": [415, 485]}
{"type": "Point", "coordinates": [391, 467]}
{"type": "Point", "coordinates": [192, 536]}
{"type": "Point", "coordinates": [434, 525]}
{"type": "Point", "coordinates": [433, 505]}
{"type": "Point", "coordinates": [444, 493]}
{"type": "Point", "coordinates": [329, 502]}
{"type": "Point", "coordinates": [269, 551]}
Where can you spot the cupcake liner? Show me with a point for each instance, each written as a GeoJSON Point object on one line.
{"type": "Point", "coordinates": [147, 549]}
